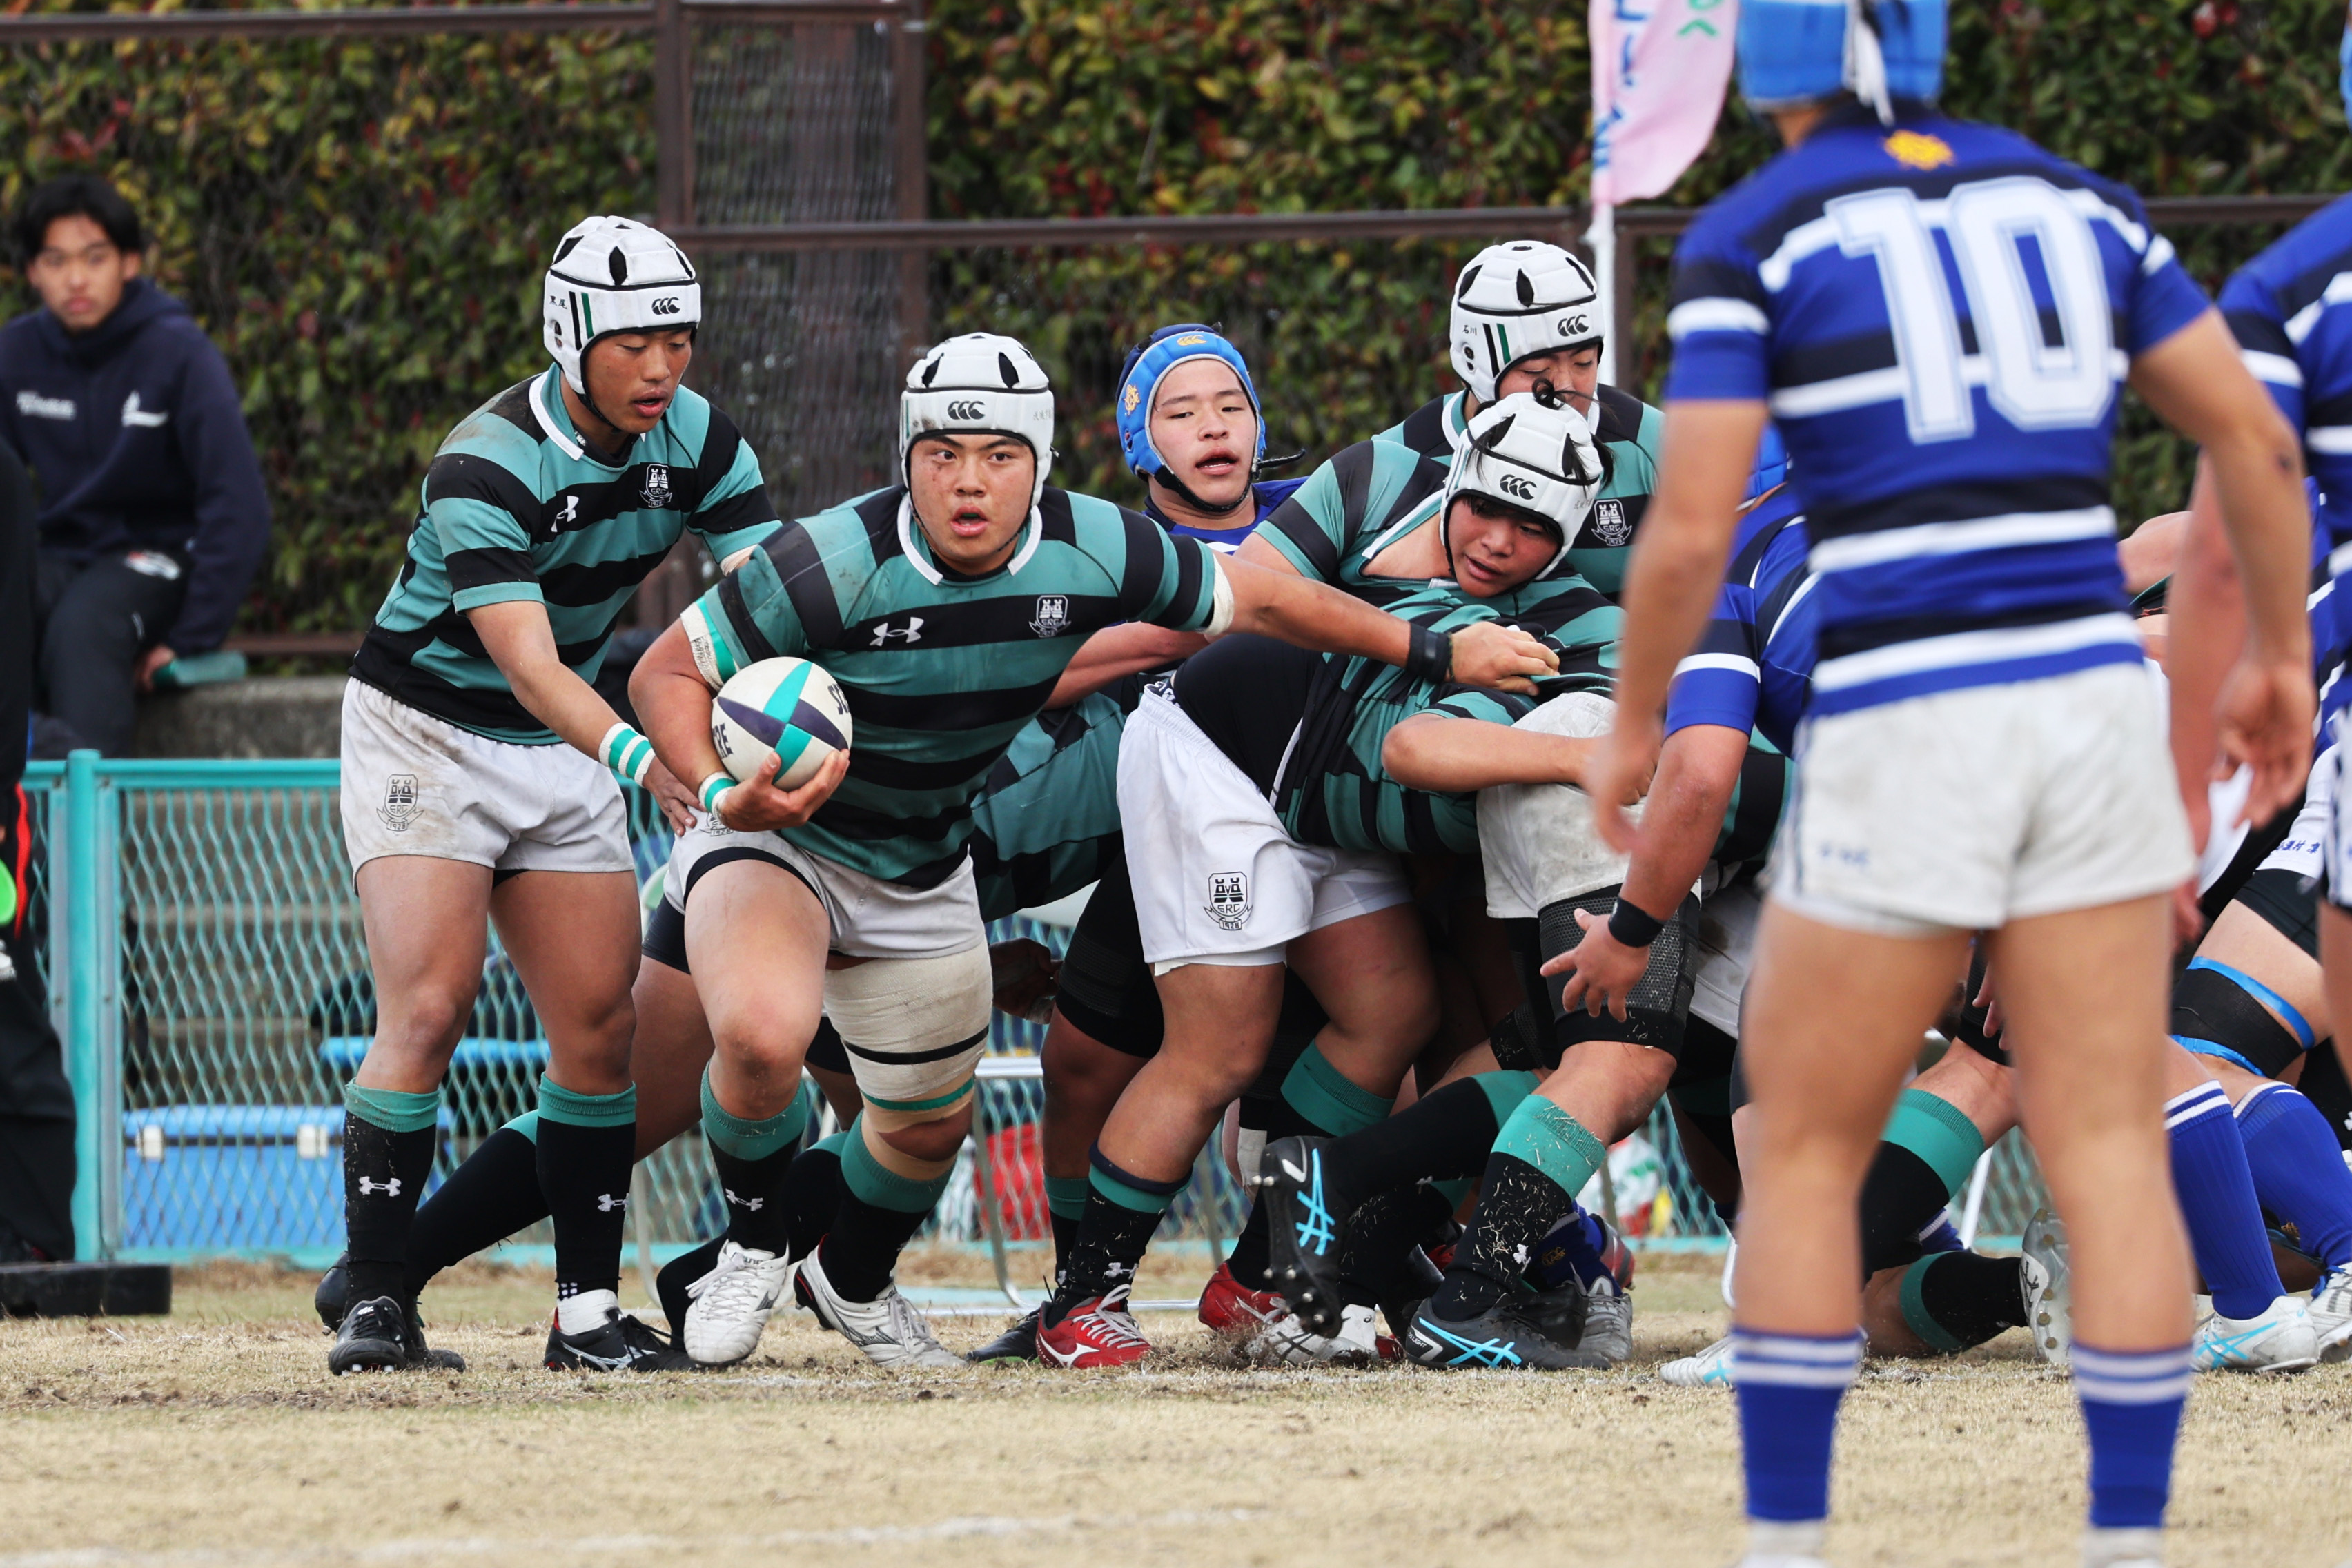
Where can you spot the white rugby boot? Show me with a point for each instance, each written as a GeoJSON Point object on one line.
{"type": "Point", "coordinates": [729, 1305]}
{"type": "Point", "coordinates": [1783, 1545]}
{"type": "Point", "coordinates": [2280, 1340]}
{"type": "Point", "coordinates": [2123, 1549]}
{"type": "Point", "coordinates": [1288, 1341]}
{"type": "Point", "coordinates": [888, 1329]}
{"type": "Point", "coordinates": [2331, 1316]}
{"type": "Point", "coordinates": [2047, 1281]}
{"type": "Point", "coordinates": [1710, 1368]}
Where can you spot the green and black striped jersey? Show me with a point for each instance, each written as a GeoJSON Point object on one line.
{"type": "Point", "coordinates": [940, 672]}
{"type": "Point", "coordinates": [515, 507]}
{"type": "Point", "coordinates": [1333, 788]}
{"type": "Point", "coordinates": [1627, 430]}
{"type": "Point", "coordinates": [1046, 821]}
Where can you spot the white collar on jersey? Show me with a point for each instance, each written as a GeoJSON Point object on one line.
{"type": "Point", "coordinates": [545, 391]}
{"type": "Point", "coordinates": [1033, 531]}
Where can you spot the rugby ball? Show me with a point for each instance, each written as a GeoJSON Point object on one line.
{"type": "Point", "coordinates": [787, 706]}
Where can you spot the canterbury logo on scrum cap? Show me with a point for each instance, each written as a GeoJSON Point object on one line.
{"type": "Point", "coordinates": [667, 305]}
{"type": "Point", "coordinates": [967, 410]}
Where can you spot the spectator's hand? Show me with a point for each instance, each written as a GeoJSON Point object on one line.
{"type": "Point", "coordinates": [153, 659]}
{"type": "Point", "coordinates": [678, 802]}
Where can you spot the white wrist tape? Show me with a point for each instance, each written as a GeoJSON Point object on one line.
{"type": "Point", "coordinates": [1221, 608]}
{"type": "Point", "coordinates": [627, 753]}
{"type": "Point", "coordinates": [712, 788]}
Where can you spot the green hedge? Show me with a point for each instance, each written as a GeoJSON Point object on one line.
{"type": "Point", "coordinates": [359, 223]}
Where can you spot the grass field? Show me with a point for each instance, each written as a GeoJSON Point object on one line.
{"type": "Point", "coordinates": [215, 1436]}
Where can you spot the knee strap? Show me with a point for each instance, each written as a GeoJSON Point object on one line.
{"type": "Point", "coordinates": [2215, 1013]}
{"type": "Point", "coordinates": [1660, 1003]}
{"type": "Point", "coordinates": [914, 1029]}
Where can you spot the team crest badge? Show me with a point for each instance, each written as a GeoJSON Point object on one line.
{"type": "Point", "coordinates": [1229, 900]}
{"type": "Point", "coordinates": [657, 488]}
{"type": "Point", "coordinates": [1609, 525]}
{"type": "Point", "coordinates": [1917, 150]}
{"type": "Point", "coordinates": [399, 809]}
{"type": "Point", "coordinates": [1052, 617]}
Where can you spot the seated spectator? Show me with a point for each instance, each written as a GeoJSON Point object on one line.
{"type": "Point", "coordinates": [152, 516]}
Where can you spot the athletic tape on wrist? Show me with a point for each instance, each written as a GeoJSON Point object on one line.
{"type": "Point", "coordinates": [712, 788]}
{"type": "Point", "coordinates": [627, 753]}
{"type": "Point", "coordinates": [1429, 655]}
{"type": "Point", "coordinates": [1634, 926]}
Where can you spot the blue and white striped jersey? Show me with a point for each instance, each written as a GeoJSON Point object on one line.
{"type": "Point", "coordinates": [1754, 667]}
{"type": "Point", "coordinates": [1939, 316]}
{"type": "Point", "coordinates": [2291, 308]}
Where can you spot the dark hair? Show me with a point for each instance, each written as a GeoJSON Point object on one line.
{"type": "Point", "coordinates": [76, 195]}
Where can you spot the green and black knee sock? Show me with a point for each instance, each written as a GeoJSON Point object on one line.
{"type": "Point", "coordinates": [388, 1141]}
{"type": "Point", "coordinates": [1122, 1211]}
{"type": "Point", "coordinates": [1317, 1102]}
{"type": "Point", "coordinates": [587, 1145]}
{"type": "Point", "coordinates": [1928, 1149]}
{"type": "Point", "coordinates": [753, 1159]}
{"type": "Point", "coordinates": [879, 1213]}
{"type": "Point", "coordinates": [1542, 1158]}
{"type": "Point", "coordinates": [484, 1201]}
{"type": "Point", "coordinates": [1444, 1136]}
{"type": "Point", "coordinates": [1955, 1300]}
{"type": "Point", "coordinates": [1065, 1204]}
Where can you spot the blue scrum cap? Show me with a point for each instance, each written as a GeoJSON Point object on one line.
{"type": "Point", "coordinates": [1138, 382]}
{"type": "Point", "coordinates": [1801, 51]}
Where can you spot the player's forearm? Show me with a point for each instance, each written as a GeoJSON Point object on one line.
{"type": "Point", "coordinates": [2258, 480]}
{"type": "Point", "coordinates": [1289, 608]}
{"type": "Point", "coordinates": [517, 636]}
{"type": "Point", "coordinates": [1683, 817]}
{"type": "Point", "coordinates": [1116, 652]}
{"type": "Point", "coordinates": [1455, 756]}
{"type": "Point", "coordinates": [2207, 610]}
{"type": "Point", "coordinates": [672, 706]}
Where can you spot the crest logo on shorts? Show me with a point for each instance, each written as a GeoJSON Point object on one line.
{"type": "Point", "coordinates": [399, 809]}
{"type": "Point", "coordinates": [1052, 617]}
{"type": "Point", "coordinates": [656, 486]}
{"type": "Point", "coordinates": [1609, 524]}
{"type": "Point", "coordinates": [1229, 900]}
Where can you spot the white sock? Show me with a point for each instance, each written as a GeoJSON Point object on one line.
{"type": "Point", "coordinates": [1774, 1540]}
{"type": "Point", "coordinates": [2114, 1548]}
{"type": "Point", "coordinates": [589, 1310]}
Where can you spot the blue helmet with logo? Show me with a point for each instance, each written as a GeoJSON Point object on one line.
{"type": "Point", "coordinates": [1138, 384]}
{"type": "Point", "coordinates": [1801, 51]}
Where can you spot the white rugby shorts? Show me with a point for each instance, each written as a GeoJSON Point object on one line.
{"type": "Point", "coordinates": [2327, 798]}
{"type": "Point", "coordinates": [1216, 877]}
{"type": "Point", "coordinates": [1722, 946]}
{"type": "Point", "coordinates": [870, 917]}
{"type": "Point", "coordinates": [416, 785]}
{"type": "Point", "coordinates": [1975, 807]}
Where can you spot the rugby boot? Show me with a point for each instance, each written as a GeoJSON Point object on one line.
{"type": "Point", "coordinates": [332, 1299]}
{"type": "Point", "coordinates": [1778, 1545]}
{"type": "Point", "coordinates": [1607, 1323]}
{"type": "Point", "coordinates": [2280, 1340]}
{"type": "Point", "coordinates": [1511, 1333]}
{"type": "Point", "coordinates": [2123, 1549]}
{"type": "Point", "coordinates": [2046, 1277]}
{"type": "Point", "coordinates": [1288, 1341]}
{"type": "Point", "coordinates": [373, 1337]}
{"type": "Point", "coordinates": [1710, 1368]}
{"type": "Point", "coordinates": [1095, 1332]}
{"type": "Point", "coordinates": [2331, 1316]}
{"type": "Point", "coordinates": [1017, 1342]}
{"type": "Point", "coordinates": [888, 1329]}
{"type": "Point", "coordinates": [423, 1357]}
{"type": "Point", "coordinates": [1231, 1309]}
{"type": "Point", "coordinates": [729, 1307]}
{"type": "Point", "coordinates": [619, 1343]}
{"type": "Point", "coordinates": [1302, 1232]}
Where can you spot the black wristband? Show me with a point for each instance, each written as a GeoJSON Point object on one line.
{"type": "Point", "coordinates": [1429, 655]}
{"type": "Point", "coordinates": [1633, 926]}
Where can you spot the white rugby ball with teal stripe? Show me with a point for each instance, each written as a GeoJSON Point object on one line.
{"type": "Point", "coordinates": [787, 706]}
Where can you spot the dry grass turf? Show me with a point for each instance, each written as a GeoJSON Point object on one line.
{"type": "Point", "coordinates": [215, 1437]}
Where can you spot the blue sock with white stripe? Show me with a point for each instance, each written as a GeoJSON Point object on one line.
{"type": "Point", "coordinates": [1789, 1386]}
{"type": "Point", "coordinates": [2299, 1171]}
{"type": "Point", "coordinates": [2217, 1199]}
{"type": "Point", "coordinates": [2131, 1408]}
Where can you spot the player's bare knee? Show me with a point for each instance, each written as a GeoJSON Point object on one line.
{"type": "Point", "coordinates": [933, 1140]}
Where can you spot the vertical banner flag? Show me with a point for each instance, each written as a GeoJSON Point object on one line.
{"type": "Point", "coordinates": [1659, 71]}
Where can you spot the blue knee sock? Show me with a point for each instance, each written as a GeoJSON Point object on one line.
{"type": "Point", "coordinates": [2131, 1408]}
{"type": "Point", "coordinates": [2217, 1199]}
{"type": "Point", "coordinates": [2299, 1171]}
{"type": "Point", "coordinates": [1789, 1386]}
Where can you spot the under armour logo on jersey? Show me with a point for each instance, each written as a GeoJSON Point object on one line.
{"type": "Point", "coordinates": [606, 1203]}
{"type": "Point", "coordinates": [967, 410]}
{"type": "Point", "coordinates": [911, 632]}
{"type": "Point", "coordinates": [749, 1206]}
{"type": "Point", "coordinates": [570, 514]}
{"type": "Point", "coordinates": [1052, 617]}
{"type": "Point", "coordinates": [1518, 488]}
{"type": "Point", "coordinates": [390, 1189]}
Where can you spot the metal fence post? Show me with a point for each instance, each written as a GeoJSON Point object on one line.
{"type": "Point", "coordinates": [83, 1049]}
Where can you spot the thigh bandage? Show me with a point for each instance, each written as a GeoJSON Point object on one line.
{"type": "Point", "coordinates": [1541, 843]}
{"type": "Point", "coordinates": [914, 1028]}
